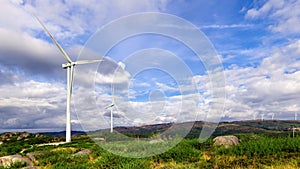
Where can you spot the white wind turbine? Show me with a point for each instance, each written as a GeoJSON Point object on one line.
{"type": "Point", "coordinates": [254, 116]}
{"type": "Point", "coordinates": [262, 117]}
{"type": "Point", "coordinates": [111, 106]}
{"type": "Point", "coordinates": [272, 116]}
{"type": "Point", "coordinates": [70, 70]}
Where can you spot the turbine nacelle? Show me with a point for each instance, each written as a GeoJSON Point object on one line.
{"type": "Point", "coordinates": [66, 65]}
{"type": "Point", "coordinates": [111, 105]}
{"type": "Point", "coordinates": [80, 62]}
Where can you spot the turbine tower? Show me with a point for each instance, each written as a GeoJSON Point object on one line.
{"type": "Point", "coordinates": [254, 116]}
{"type": "Point", "coordinates": [70, 70]}
{"type": "Point", "coordinates": [111, 109]}
{"type": "Point", "coordinates": [262, 117]}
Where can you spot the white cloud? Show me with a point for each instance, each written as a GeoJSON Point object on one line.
{"type": "Point", "coordinates": [30, 55]}
{"type": "Point", "coordinates": [226, 26]}
{"type": "Point", "coordinates": [28, 104]}
{"type": "Point", "coordinates": [14, 18]}
{"type": "Point", "coordinates": [119, 77]}
{"type": "Point", "coordinates": [270, 87]}
{"type": "Point", "coordinates": [265, 9]}
{"type": "Point", "coordinates": [164, 87]}
{"type": "Point", "coordinates": [68, 19]}
{"type": "Point", "coordinates": [284, 14]}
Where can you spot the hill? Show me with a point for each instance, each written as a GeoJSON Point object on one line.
{"type": "Point", "coordinates": [223, 128]}
{"type": "Point", "coordinates": [266, 144]}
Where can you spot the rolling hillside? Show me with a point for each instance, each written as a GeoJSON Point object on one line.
{"type": "Point", "coordinates": [266, 144]}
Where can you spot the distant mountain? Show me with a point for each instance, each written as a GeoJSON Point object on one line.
{"type": "Point", "coordinates": [224, 128]}
{"type": "Point", "coordinates": [250, 126]}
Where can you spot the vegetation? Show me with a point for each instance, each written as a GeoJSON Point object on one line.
{"type": "Point", "coordinates": [258, 150]}
{"type": "Point", "coordinates": [254, 151]}
{"type": "Point", "coordinates": [15, 143]}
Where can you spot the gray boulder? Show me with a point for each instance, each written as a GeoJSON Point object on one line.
{"type": "Point", "coordinates": [226, 141]}
{"type": "Point", "coordinates": [83, 152]}
{"type": "Point", "coordinates": [9, 160]}
{"type": "Point", "coordinates": [31, 156]}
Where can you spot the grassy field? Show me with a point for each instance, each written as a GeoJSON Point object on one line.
{"type": "Point", "coordinates": [254, 151]}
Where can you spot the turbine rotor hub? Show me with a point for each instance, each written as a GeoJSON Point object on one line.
{"type": "Point", "coordinates": [66, 65]}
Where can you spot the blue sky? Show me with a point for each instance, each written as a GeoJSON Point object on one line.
{"type": "Point", "coordinates": [257, 41]}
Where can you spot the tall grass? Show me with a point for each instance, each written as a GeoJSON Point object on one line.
{"type": "Point", "coordinates": [264, 146]}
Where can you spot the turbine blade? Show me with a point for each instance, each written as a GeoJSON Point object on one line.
{"type": "Point", "coordinates": [55, 42]}
{"type": "Point", "coordinates": [81, 62]}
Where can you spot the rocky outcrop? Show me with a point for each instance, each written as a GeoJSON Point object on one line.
{"type": "Point", "coordinates": [99, 139]}
{"type": "Point", "coordinates": [6, 136]}
{"type": "Point", "coordinates": [38, 135]}
{"type": "Point", "coordinates": [9, 160]}
{"type": "Point", "coordinates": [23, 136]}
{"type": "Point", "coordinates": [31, 156]}
{"type": "Point", "coordinates": [156, 141]}
{"type": "Point", "coordinates": [18, 136]}
{"type": "Point", "coordinates": [226, 141]}
{"type": "Point", "coordinates": [83, 152]}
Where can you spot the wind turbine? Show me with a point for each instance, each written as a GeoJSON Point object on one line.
{"type": "Point", "coordinates": [111, 109]}
{"type": "Point", "coordinates": [70, 71]}
{"type": "Point", "coordinates": [262, 117]}
{"type": "Point", "coordinates": [254, 116]}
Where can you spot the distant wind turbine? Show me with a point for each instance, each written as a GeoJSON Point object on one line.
{"type": "Point", "coordinates": [70, 70]}
{"type": "Point", "coordinates": [262, 117]}
{"type": "Point", "coordinates": [254, 116]}
{"type": "Point", "coordinates": [272, 116]}
{"type": "Point", "coordinates": [111, 109]}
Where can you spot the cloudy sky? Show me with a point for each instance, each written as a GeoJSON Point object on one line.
{"type": "Point", "coordinates": [257, 42]}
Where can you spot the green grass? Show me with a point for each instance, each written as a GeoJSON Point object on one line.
{"type": "Point", "coordinates": [264, 146]}
{"type": "Point", "coordinates": [260, 151]}
{"type": "Point", "coordinates": [254, 151]}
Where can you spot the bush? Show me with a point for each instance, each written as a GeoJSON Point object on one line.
{"type": "Point", "coordinates": [185, 151]}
